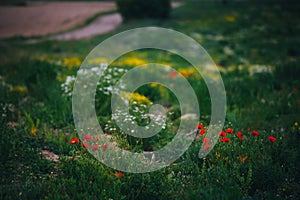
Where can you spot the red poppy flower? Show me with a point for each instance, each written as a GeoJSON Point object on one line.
{"type": "Point", "coordinates": [119, 174]}
{"type": "Point", "coordinates": [229, 130]}
{"type": "Point", "coordinates": [202, 132]}
{"type": "Point", "coordinates": [294, 91]}
{"type": "Point", "coordinates": [241, 138]}
{"type": "Point", "coordinates": [85, 145]}
{"type": "Point", "coordinates": [206, 147]}
{"type": "Point", "coordinates": [239, 134]}
{"type": "Point", "coordinates": [222, 134]}
{"type": "Point", "coordinates": [225, 140]}
{"type": "Point", "coordinates": [172, 74]}
{"type": "Point", "coordinates": [271, 138]}
{"type": "Point", "coordinates": [96, 138]}
{"type": "Point", "coordinates": [95, 147]}
{"type": "Point", "coordinates": [87, 137]}
{"type": "Point", "coordinates": [74, 141]}
{"type": "Point", "coordinates": [255, 133]}
{"type": "Point", "coordinates": [206, 140]}
{"type": "Point", "coordinates": [104, 146]}
{"type": "Point", "coordinates": [199, 126]}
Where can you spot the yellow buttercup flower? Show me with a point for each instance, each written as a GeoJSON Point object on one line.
{"type": "Point", "coordinates": [154, 84]}
{"type": "Point", "coordinates": [33, 131]}
{"type": "Point", "coordinates": [18, 88]}
{"type": "Point", "coordinates": [140, 99]}
{"type": "Point", "coordinates": [97, 60]}
{"type": "Point", "coordinates": [71, 62]}
{"type": "Point", "coordinates": [132, 61]}
{"type": "Point", "coordinates": [230, 18]}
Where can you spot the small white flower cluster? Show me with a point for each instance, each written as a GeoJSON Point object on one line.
{"type": "Point", "coordinates": [105, 85]}
{"type": "Point", "coordinates": [140, 115]}
{"type": "Point", "coordinates": [256, 69]}
{"type": "Point", "coordinates": [110, 78]}
{"type": "Point", "coordinates": [68, 85]}
{"type": "Point", "coordinates": [6, 107]}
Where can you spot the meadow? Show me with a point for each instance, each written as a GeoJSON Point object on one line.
{"type": "Point", "coordinates": [256, 48]}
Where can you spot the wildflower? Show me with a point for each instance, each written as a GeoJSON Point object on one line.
{"type": "Point", "coordinates": [243, 158]}
{"type": "Point", "coordinates": [96, 139]}
{"type": "Point", "coordinates": [132, 61]}
{"type": "Point", "coordinates": [255, 133]}
{"type": "Point", "coordinates": [12, 124]}
{"type": "Point", "coordinates": [206, 147]}
{"type": "Point", "coordinates": [104, 146]}
{"type": "Point", "coordinates": [202, 132]}
{"type": "Point", "coordinates": [230, 18]}
{"type": "Point", "coordinates": [229, 130]}
{"type": "Point", "coordinates": [87, 137]}
{"type": "Point", "coordinates": [222, 134]}
{"type": "Point", "coordinates": [294, 91]}
{"type": "Point", "coordinates": [218, 155]}
{"type": "Point", "coordinates": [33, 131]}
{"type": "Point", "coordinates": [131, 97]}
{"type": "Point", "coordinates": [184, 74]}
{"type": "Point", "coordinates": [70, 62]}
{"type": "Point", "coordinates": [20, 89]}
{"type": "Point", "coordinates": [199, 126]}
{"type": "Point", "coordinates": [85, 145]}
{"type": "Point", "coordinates": [206, 140]}
{"type": "Point", "coordinates": [172, 74]}
{"type": "Point", "coordinates": [118, 174]}
{"type": "Point", "coordinates": [74, 141]}
{"type": "Point", "coordinates": [225, 140]}
{"type": "Point", "coordinates": [271, 138]}
{"type": "Point", "coordinates": [95, 147]}
{"type": "Point", "coordinates": [239, 134]}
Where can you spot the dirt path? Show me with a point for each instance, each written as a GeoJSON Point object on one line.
{"type": "Point", "coordinates": [103, 24]}
{"type": "Point", "coordinates": [42, 18]}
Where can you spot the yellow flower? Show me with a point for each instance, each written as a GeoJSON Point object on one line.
{"type": "Point", "coordinates": [140, 99]}
{"type": "Point", "coordinates": [296, 124]}
{"type": "Point", "coordinates": [230, 18]}
{"type": "Point", "coordinates": [18, 88]}
{"type": "Point", "coordinates": [33, 131]}
{"type": "Point", "coordinates": [97, 60]}
{"type": "Point", "coordinates": [154, 84]}
{"type": "Point", "coordinates": [218, 155]}
{"type": "Point", "coordinates": [186, 72]}
{"type": "Point", "coordinates": [72, 62]}
{"type": "Point", "coordinates": [132, 61]}
{"type": "Point", "coordinates": [243, 158]}
{"type": "Point", "coordinates": [42, 58]}
{"type": "Point", "coordinates": [61, 78]}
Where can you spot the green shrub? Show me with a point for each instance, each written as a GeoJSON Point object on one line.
{"type": "Point", "coordinates": [132, 9]}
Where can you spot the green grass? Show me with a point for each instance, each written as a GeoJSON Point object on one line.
{"type": "Point", "coordinates": [242, 38]}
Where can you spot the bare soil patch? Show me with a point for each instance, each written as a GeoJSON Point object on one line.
{"type": "Point", "coordinates": [42, 18]}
